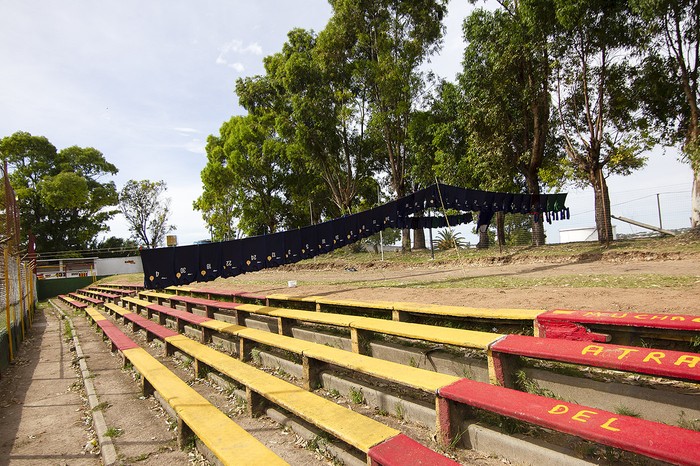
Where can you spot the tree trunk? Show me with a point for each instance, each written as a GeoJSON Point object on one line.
{"type": "Point", "coordinates": [419, 239]}
{"type": "Point", "coordinates": [419, 236]}
{"type": "Point", "coordinates": [405, 240]}
{"type": "Point", "coordinates": [602, 208]}
{"type": "Point", "coordinates": [483, 237]}
{"type": "Point", "coordinates": [538, 239]}
{"type": "Point", "coordinates": [500, 228]}
{"type": "Point", "coordinates": [695, 201]}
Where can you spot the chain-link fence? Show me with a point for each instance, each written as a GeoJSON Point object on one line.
{"type": "Point", "coordinates": [17, 280]}
{"type": "Point", "coordinates": [17, 302]}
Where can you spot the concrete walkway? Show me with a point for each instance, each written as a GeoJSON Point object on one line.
{"type": "Point", "coordinates": [41, 390]}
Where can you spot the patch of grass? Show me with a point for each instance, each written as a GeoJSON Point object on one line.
{"type": "Point", "coordinates": [382, 412]}
{"type": "Point", "coordinates": [113, 432]}
{"type": "Point", "coordinates": [281, 373]}
{"type": "Point", "coordinates": [690, 424]}
{"type": "Point", "coordinates": [102, 406]}
{"type": "Point", "coordinates": [255, 356]}
{"type": "Point", "coordinates": [695, 341]}
{"type": "Point", "coordinates": [204, 371]}
{"type": "Point", "coordinates": [400, 410]}
{"type": "Point", "coordinates": [314, 444]}
{"type": "Point", "coordinates": [412, 362]}
{"type": "Point", "coordinates": [526, 384]}
{"type": "Point", "coordinates": [187, 362]}
{"type": "Point", "coordinates": [67, 331]}
{"type": "Point", "coordinates": [627, 411]}
{"type": "Point", "coordinates": [191, 443]}
{"type": "Point", "coordinates": [240, 405]}
{"type": "Point", "coordinates": [334, 393]}
{"type": "Point", "coordinates": [172, 424]}
{"type": "Point", "coordinates": [356, 395]}
{"type": "Point", "coordinates": [229, 389]}
{"type": "Point", "coordinates": [468, 372]}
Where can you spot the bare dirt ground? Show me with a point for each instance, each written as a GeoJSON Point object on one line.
{"type": "Point", "coordinates": [659, 286]}
{"type": "Point", "coordinates": [44, 418]}
{"type": "Point", "coordinates": [41, 409]}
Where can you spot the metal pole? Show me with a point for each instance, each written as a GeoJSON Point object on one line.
{"type": "Point", "coordinates": [430, 234]}
{"type": "Point", "coordinates": [658, 206]}
{"type": "Point", "coordinates": [381, 234]}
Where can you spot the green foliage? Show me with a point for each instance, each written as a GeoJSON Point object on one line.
{"type": "Point", "coordinates": [507, 67]}
{"type": "Point", "coordinates": [388, 236]}
{"type": "Point", "coordinates": [387, 42]}
{"type": "Point", "coordinates": [325, 114]}
{"type": "Point", "coordinates": [690, 424]}
{"type": "Point", "coordinates": [67, 190]}
{"type": "Point", "coordinates": [146, 212]}
{"type": "Point", "coordinates": [449, 239]}
{"type": "Point", "coordinates": [597, 104]}
{"type": "Point", "coordinates": [249, 177]}
{"type": "Point", "coordinates": [400, 410]}
{"type": "Point", "coordinates": [113, 432]}
{"type": "Point", "coordinates": [627, 411]}
{"type": "Point", "coordinates": [115, 247]}
{"type": "Point", "coordinates": [518, 229]}
{"type": "Point", "coordinates": [669, 79]}
{"type": "Point", "coordinates": [59, 196]}
{"type": "Point", "coordinates": [356, 395]}
{"type": "Point", "coordinates": [529, 385]}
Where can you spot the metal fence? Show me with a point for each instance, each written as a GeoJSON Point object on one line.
{"type": "Point", "coordinates": [17, 301]}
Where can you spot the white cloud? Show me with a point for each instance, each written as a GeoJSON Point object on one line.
{"type": "Point", "coordinates": [238, 66]}
{"type": "Point", "coordinates": [187, 130]}
{"type": "Point", "coordinates": [236, 48]}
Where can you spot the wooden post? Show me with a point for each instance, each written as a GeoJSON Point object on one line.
{"type": "Point", "coordinates": [449, 419]}
{"type": "Point", "coordinates": [7, 300]}
{"type": "Point", "coordinates": [256, 403]}
{"type": "Point", "coordinates": [21, 297]}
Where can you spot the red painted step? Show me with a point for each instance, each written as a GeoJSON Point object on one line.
{"type": "Point", "coordinates": [648, 438]}
{"type": "Point", "coordinates": [665, 363]}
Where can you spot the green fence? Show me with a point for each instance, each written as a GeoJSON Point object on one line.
{"type": "Point", "coordinates": [53, 287]}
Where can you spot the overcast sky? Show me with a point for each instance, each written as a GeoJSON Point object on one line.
{"type": "Point", "coordinates": [146, 83]}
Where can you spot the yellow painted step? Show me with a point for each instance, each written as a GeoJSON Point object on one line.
{"type": "Point", "coordinates": [226, 439]}
{"type": "Point", "coordinates": [118, 309]}
{"type": "Point", "coordinates": [340, 320]}
{"type": "Point", "coordinates": [450, 336]}
{"type": "Point", "coordinates": [94, 314]}
{"type": "Point", "coordinates": [420, 379]}
{"type": "Point", "coordinates": [349, 426]}
{"type": "Point", "coordinates": [463, 311]}
{"type": "Point", "coordinates": [223, 327]}
{"type": "Point", "coordinates": [137, 301]}
{"type": "Point", "coordinates": [384, 305]}
{"type": "Point", "coordinates": [155, 294]}
{"type": "Point", "coordinates": [278, 341]}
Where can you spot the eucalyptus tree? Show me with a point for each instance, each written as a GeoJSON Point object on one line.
{"type": "Point", "coordinates": [247, 161]}
{"type": "Point", "coordinates": [324, 114]}
{"type": "Point", "coordinates": [506, 76]}
{"type": "Point", "coordinates": [386, 42]}
{"type": "Point", "coordinates": [599, 112]}
{"type": "Point", "coordinates": [670, 79]}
